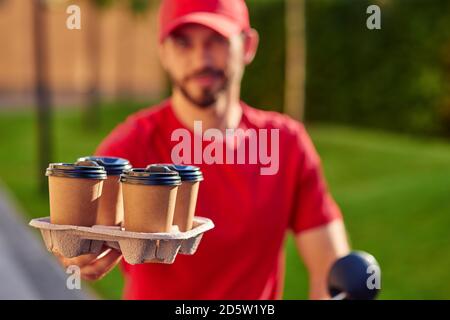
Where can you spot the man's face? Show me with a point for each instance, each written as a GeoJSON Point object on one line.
{"type": "Point", "coordinates": [202, 63]}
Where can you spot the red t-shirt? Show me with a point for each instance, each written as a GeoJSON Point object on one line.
{"type": "Point", "coordinates": [242, 257]}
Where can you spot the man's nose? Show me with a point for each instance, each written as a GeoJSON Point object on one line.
{"type": "Point", "coordinates": [202, 57]}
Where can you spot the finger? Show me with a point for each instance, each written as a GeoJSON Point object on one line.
{"type": "Point", "coordinates": [80, 261]}
{"type": "Point", "coordinates": [101, 266]}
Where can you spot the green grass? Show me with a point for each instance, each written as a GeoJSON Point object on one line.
{"type": "Point", "coordinates": [394, 193]}
{"type": "Point", "coordinates": [393, 190]}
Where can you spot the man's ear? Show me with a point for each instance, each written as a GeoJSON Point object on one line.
{"type": "Point", "coordinates": [251, 42]}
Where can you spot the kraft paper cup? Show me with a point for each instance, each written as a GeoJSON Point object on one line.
{"type": "Point", "coordinates": [74, 192]}
{"type": "Point", "coordinates": [191, 177]}
{"type": "Point", "coordinates": [110, 209]}
{"type": "Point", "coordinates": [149, 197]}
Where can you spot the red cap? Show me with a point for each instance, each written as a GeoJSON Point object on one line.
{"type": "Point", "coordinates": [227, 17]}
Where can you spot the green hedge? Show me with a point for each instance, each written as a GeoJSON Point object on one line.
{"type": "Point", "coordinates": [263, 84]}
{"type": "Point", "coordinates": [395, 78]}
{"type": "Point", "coordinates": [392, 78]}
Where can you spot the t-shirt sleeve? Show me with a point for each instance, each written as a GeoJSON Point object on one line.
{"type": "Point", "coordinates": [313, 204]}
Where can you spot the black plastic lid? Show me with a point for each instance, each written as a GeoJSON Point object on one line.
{"type": "Point", "coordinates": [151, 176]}
{"type": "Point", "coordinates": [113, 166]}
{"type": "Point", "coordinates": [80, 169]}
{"type": "Point", "coordinates": [187, 173]}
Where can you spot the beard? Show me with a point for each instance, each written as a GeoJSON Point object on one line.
{"type": "Point", "coordinates": [208, 96]}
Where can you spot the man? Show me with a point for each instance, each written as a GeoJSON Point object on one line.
{"type": "Point", "coordinates": [204, 47]}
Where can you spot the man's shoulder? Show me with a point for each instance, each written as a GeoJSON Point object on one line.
{"type": "Point", "coordinates": [263, 119]}
{"type": "Point", "coordinates": [143, 121]}
{"type": "Point", "coordinates": [293, 136]}
{"type": "Point", "coordinates": [134, 129]}
{"type": "Point", "coordinates": [149, 115]}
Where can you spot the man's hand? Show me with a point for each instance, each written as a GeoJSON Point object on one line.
{"type": "Point", "coordinates": [319, 249]}
{"type": "Point", "coordinates": [93, 267]}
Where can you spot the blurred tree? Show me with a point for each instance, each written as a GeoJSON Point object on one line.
{"type": "Point", "coordinates": [43, 99]}
{"type": "Point", "coordinates": [137, 7]}
{"type": "Point", "coordinates": [93, 25]}
{"type": "Point", "coordinates": [295, 59]}
{"type": "Point", "coordinates": [140, 6]}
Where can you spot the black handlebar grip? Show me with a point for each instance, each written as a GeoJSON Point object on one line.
{"type": "Point", "coordinates": [356, 276]}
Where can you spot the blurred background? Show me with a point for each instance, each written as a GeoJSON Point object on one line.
{"type": "Point", "coordinates": [376, 103]}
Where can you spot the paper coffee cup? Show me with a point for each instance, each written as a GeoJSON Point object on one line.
{"type": "Point", "coordinates": [149, 197]}
{"type": "Point", "coordinates": [74, 192]}
{"type": "Point", "coordinates": [110, 209]}
{"type": "Point", "coordinates": [186, 195]}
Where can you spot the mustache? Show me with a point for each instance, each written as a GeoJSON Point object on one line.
{"type": "Point", "coordinates": [206, 72]}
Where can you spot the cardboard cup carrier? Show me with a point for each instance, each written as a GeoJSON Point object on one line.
{"type": "Point", "coordinates": [149, 201]}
